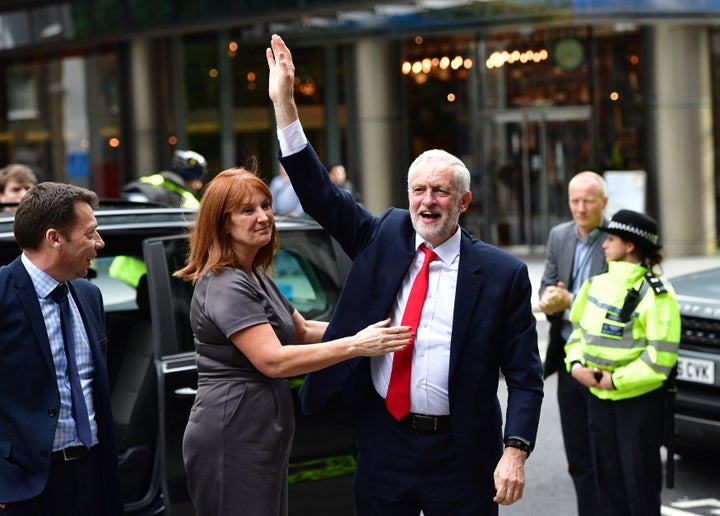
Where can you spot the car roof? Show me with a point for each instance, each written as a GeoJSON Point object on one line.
{"type": "Point", "coordinates": [118, 216]}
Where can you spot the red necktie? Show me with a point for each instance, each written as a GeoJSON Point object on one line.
{"type": "Point", "coordinates": [398, 395]}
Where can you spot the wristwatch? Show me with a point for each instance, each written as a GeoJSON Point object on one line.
{"type": "Point", "coordinates": [514, 442]}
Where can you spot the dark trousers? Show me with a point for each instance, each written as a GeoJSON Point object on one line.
{"type": "Point", "coordinates": [74, 488]}
{"type": "Point", "coordinates": [573, 399]}
{"type": "Point", "coordinates": [626, 436]}
{"type": "Point", "coordinates": [402, 471]}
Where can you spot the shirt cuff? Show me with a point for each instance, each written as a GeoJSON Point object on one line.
{"type": "Point", "coordinates": [292, 139]}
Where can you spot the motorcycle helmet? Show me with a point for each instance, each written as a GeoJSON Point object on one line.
{"type": "Point", "coordinates": [189, 164]}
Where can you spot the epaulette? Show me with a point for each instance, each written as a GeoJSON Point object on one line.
{"type": "Point", "coordinates": [655, 283]}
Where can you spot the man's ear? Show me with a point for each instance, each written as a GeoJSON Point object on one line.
{"type": "Point", "coordinates": [465, 201]}
{"type": "Point", "coordinates": [53, 237]}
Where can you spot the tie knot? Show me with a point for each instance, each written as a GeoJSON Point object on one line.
{"type": "Point", "coordinates": [430, 255]}
{"type": "Point", "coordinates": [59, 294]}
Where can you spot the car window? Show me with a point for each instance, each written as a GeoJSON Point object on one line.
{"type": "Point", "coordinates": [118, 293]}
{"type": "Point", "coordinates": [296, 278]}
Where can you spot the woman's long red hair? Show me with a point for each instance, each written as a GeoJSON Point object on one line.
{"type": "Point", "coordinates": [210, 243]}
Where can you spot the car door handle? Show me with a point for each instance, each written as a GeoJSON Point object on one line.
{"type": "Point", "coordinates": [185, 393]}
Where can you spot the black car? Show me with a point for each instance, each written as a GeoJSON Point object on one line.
{"type": "Point", "coordinates": [151, 357]}
{"type": "Point", "coordinates": [697, 405]}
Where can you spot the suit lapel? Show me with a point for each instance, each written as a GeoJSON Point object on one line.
{"type": "Point", "coordinates": [80, 303]}
{"type": "Point", "coordinates": [567, 254]}
{"type": "Point", "coordinates": [469, 286]}
{"type": "Point", "coordinates": [396, 265]}
{"type": "Point", "coordinates": [598, 265]}
{"type": "Point", "coordinates": [28, 299]}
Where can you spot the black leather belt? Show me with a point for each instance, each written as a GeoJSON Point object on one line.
{"type": "Point", "coordinates": [71, 453]}
{"type": "Point", "coordinates": [427, 423]}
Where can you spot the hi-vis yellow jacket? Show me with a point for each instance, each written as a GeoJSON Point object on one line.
{"type": "Point", "coordinates": [640, 353]}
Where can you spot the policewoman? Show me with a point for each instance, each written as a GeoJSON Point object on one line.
{"type": "Point", "coordinates": [626, 330]}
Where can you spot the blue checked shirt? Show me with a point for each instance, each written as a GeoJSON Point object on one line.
{"type": "Point", "coordinates": [65, 433]}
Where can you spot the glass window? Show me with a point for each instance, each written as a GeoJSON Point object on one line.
{"type": "Point", "coordinates": [297, 280]}
{"type": "Point", "coordinates": [14, 29]}
{"type": "Point", "coordinates": [436, 72]}
{"type": "Point", "coordinates": [201, 75]}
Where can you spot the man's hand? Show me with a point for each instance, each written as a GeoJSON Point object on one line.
{"type": "Point", "coordinates": [281, 82]}
{"type": "Point", "coordinates": [555, 299]}
{"type": "Point", "coordinates": [510, 476]}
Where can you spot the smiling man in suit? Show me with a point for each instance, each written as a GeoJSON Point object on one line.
{"type": "Point", "coordinates": [443, 452]}
{"type": "Point", "coordinates": [574, 253]}
{"type": "Point", "coordinates": [57, 444]}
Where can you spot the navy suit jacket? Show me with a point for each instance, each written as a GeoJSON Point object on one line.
{"type": "Point", "coordinates": [493, 329]}
{"type": "Point", "coordinates": [560, 255]}
{"type": "Point", "coordinates": [29, 397]}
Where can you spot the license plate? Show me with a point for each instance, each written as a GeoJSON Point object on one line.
{"type": "Point", "coordinates": [696, 370]}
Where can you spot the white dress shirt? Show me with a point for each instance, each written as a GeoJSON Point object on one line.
{"type": "Point", "coordinates": [431, 353]}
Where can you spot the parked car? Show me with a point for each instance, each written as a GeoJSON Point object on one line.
{"type": "Point", "coordinates": [697, 405]}
{"type": "Point", "coordinates": [151, 357]}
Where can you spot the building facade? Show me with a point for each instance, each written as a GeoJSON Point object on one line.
{"type": "Point", "coordinates": [526, 92]}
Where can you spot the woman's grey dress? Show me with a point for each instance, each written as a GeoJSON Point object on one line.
{"type": "Point", "coordinates": [237, 441]}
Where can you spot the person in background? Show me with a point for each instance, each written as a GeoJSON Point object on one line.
{"type": "Point", "coordinates": [623, 348]}
{"type": "Point", "coordinates": [249, 339]}
{"type": "Point", "coordinates": [57, 440]}
{"type": "Point", "coordinates": [285, 201]}
{"type": "Point", "coordinates": [431, 433]}
{"type": "Point", "coordinates": [574, 253]}
{"type": "Point", "coordinates": [338, 174]}
{"type": "Point", "coordinates": [15, 181]}
{"type": "Point", "coordinates": [177, 188]}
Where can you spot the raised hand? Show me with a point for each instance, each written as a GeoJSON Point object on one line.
{"type": "Point", "coordinates": [281, 82]}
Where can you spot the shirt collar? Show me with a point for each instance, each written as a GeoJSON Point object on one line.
{"type": "Point", "coordinates": [448, 250]}
{"type": "Point", "coordinates": [592, 236]}
{"type": "Point", "coordinates": [44, 283]}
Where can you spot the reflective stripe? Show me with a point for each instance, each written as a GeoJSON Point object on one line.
{"type": "Point", "coordinates": [664, 346]}
{"type": "Point", "coordinates": [665, 370]}
{"type": "Point", "coordinates": [158, 181]}
{"type": "Point", "coordinates": [329, 467]}
{"type": "Point", "coordinates": [605, 342]}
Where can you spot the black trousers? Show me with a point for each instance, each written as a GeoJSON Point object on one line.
{"type": "Point", "coordinates": [74, 488]}
{"type": "Point", "coordinates": [626, 436]}
{"type": "Point", "coordinates": [402, 471]}
{"type": "Point", "coordinates": [573, 399]}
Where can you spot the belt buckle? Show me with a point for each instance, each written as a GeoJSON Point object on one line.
{"type": "Point", "coordinates": [419, 422]}
{"type": "Point", "coordinates": [71, 456]}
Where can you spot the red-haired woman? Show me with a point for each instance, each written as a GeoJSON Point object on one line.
{"type": "Point", "coordinates": [237, 441]}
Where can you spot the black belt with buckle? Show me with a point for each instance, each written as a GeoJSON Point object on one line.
{"type": "Point", "coordinates": [71, 453]}
{"type": "Point", "coordinates": [427, 423]}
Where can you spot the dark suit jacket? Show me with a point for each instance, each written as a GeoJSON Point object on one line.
{"type": "Point", "coordinates": [560, 254]}
{"type": "Point", "coordinates": [494, 329]}
{"type": "Point", "coordinates": [29, 397]}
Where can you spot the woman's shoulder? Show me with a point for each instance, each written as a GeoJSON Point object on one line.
{"type": "Point", "coordinates": [227, 277]}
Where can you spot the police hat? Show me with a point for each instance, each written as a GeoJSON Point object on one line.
{"type": "Point", "coordinates": [635, 227]}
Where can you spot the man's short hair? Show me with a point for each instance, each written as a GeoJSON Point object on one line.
{"type": "Point", "coordinates": [46, 206]}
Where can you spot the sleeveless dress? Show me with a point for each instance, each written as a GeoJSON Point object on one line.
{"type": "Point", "coordinates": [237, 441]}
